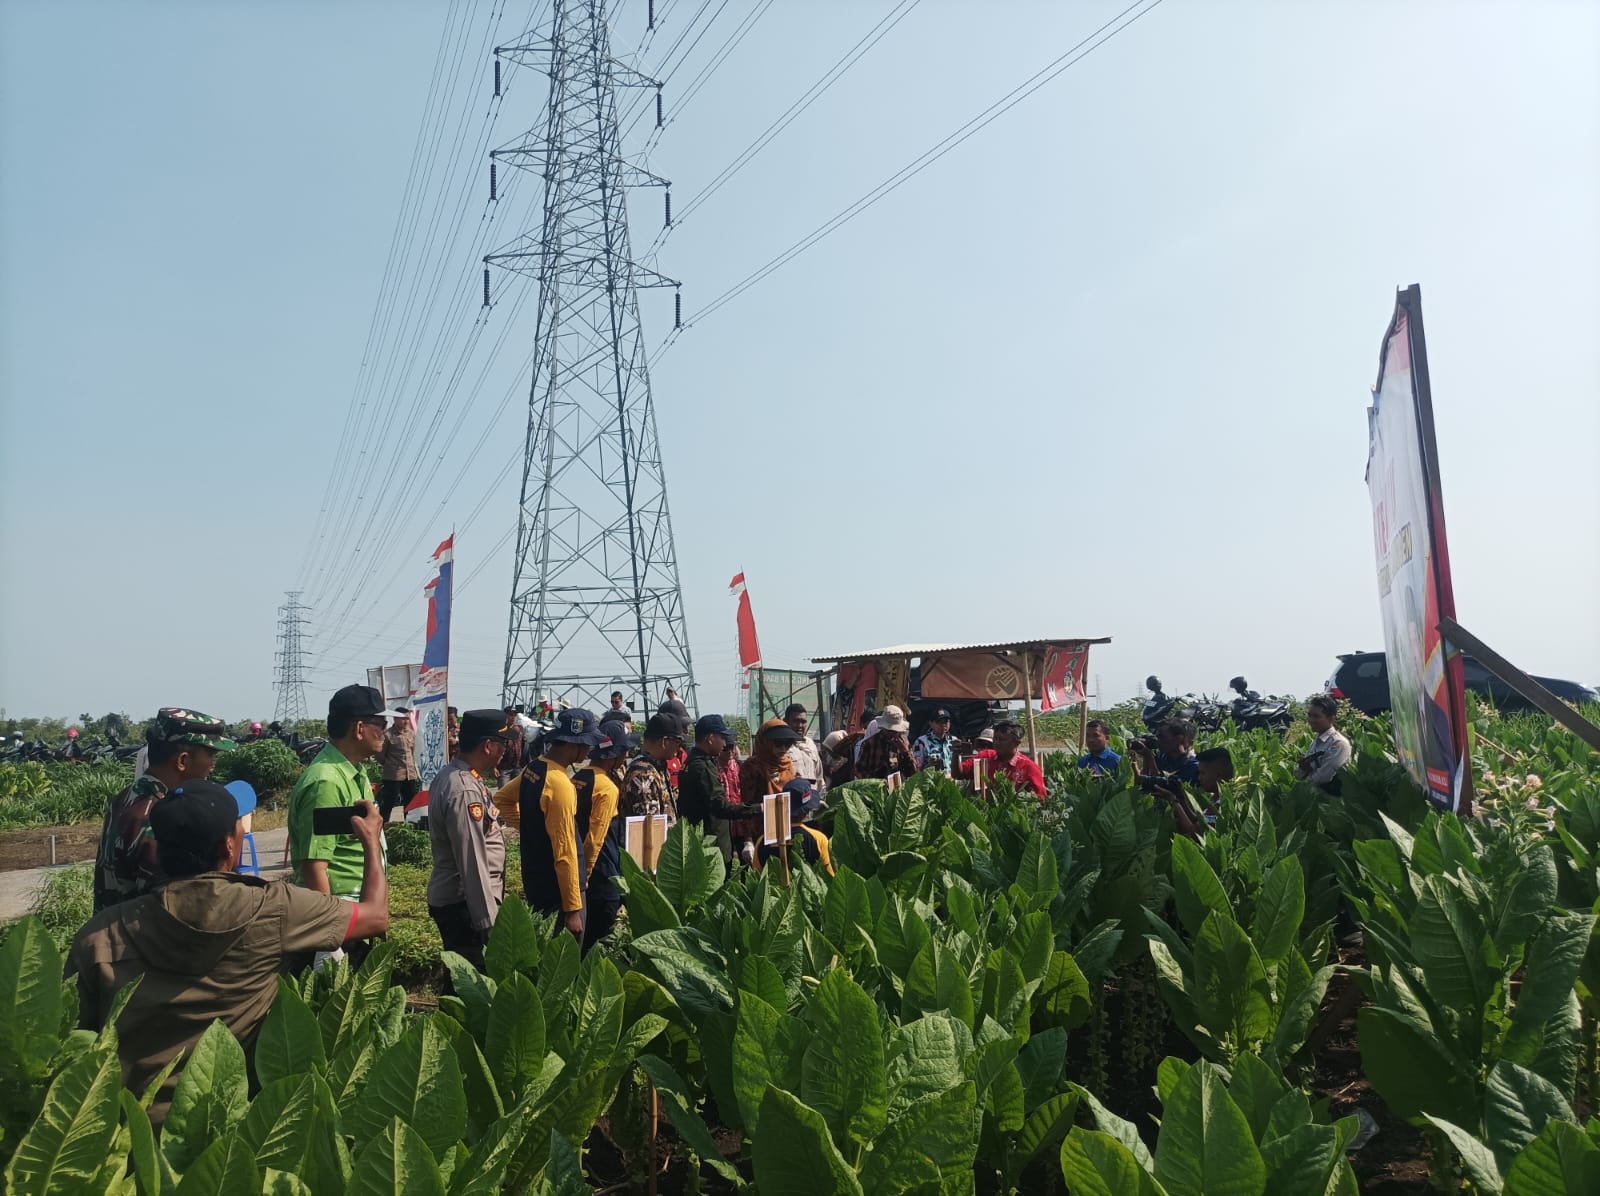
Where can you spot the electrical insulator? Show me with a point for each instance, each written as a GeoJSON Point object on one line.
{"type": "Point", "coordinates": [492, 177]}
{"type": "Point", "coordinates": [652, 24]}
{"type": "Point", "coordinates": [658, 107]}
{"type": "Point", "coordinates": [677, 309]}
{"type": "Point", "coordinates": [669, 209]}
{"type": "Point", "coordinates": [496, 76]}
{"type": "Point", "coordinates": [486, 286]}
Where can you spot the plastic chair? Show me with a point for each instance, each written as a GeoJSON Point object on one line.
{"type": "Point", "coordinates": [252, 868]}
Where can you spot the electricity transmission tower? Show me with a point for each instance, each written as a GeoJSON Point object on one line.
{"type": "Point", "coordinates": [595, 597]}
{"type": "Point", "coordinates": [290, 661]}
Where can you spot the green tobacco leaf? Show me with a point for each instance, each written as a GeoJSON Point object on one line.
{"type": "Point", "coordinates": [515, 943]}
{"type": "Point", "coordinates": [1517, 1105]}
{"type": "Point", "coordinates": [1198, 891]}
{"type": "Point", "coordinates": [937, 982]}
{"type": "Point", "coordinates": [1554, 961]}
{"type": "Point", "coordinates": [1255, 1088]}
{"type": "Point", "coordinates": [1307, 1161]}
{"type": "Point", "coordinates": [679, 1104]}
{"type": "Point", "coordinates": [1063, 998]}
{"type": "Point", "coordinates": [928, 1139]}
{"type": "Point", "coordinates": [1475, 1157]}
{"type": "Point", "coordinates": [283, 1183]}
{"type": "Point", "coordinates": [474, 990]}
{"type": "Point", "coordinates": [1205, 1147]}
{"type": "Point", "coordinates": [1451, 947]}
{"type": "Point", "coordinates": [758, 975]}
{"type": "Point", "coordinates": [648, 908]}
{"type": "Point", "coordinates": [689, 966]}
{"type": "Point", "coordinates": [1045, 1126]}
{"type": "Point", "coordinates": [1231, 992]}
{"type": "Point", "coordinates": [1037, 875]}
{"type": "Point", "coordinates": [558, 968]}
{"type": "Point", "coordinates": [514, 1044]}
{"type": "Point", "coordinates": [483, 1171]}
{"type": "Point", "coordinates": [1117, 1127]}
{"type": "Point", "coordinates": [563, 1173]}
{"type": "Point", "coordinates": [30, 996]}
{"type": "Point", "coordinates": [794, 1154]}
{"type": "Point", "coordinates": [141, 1144]}
{"type": "Point", "coordinates": [67, 1144]}
{"type": "Point", "coordinates": [767, 1049]}
{"type": "Point", "coordinates": [1039, 1064]}
{"type": "Point", "coordinates": [690, 867]}
{"type": "Point", "coordinates": [898, 935]}
{"type": "Point", "coordinates": [853, 832]}
{"type": "Point", "coordinates": [1280, 908]}
{"type": "Point", "coordinates": [1518, 907]}
{"type": "Point", "coordinates": [599, 1026]}
{"type": "Point", "coordinates": [224, 1168]}
{"type": "Point", "coordinates": [1005, 996]}
{"type": "Point", "coordinates": [1411, 1070]}
{"type": "Point", "coordinates": [397, 1161]}
{"type": "Point", "coordinates": [484, 1106]}
{"type": "Point", "coordinates": [925, 1058]}
{"type": "Point", "coordinates": [289, 1044]}
{"type": "Point", "coordinates": [1561, 1161]}
{"type": "Point", "coordinates": [842, 1070]}
{"type": "Point", "coordinates": [1168, 1073]}
{"type": "Point", "coordinates": [418, 1081]}
{"type": "Point", "coordinates": [212, 1097]}
{"type": "Point", "coordinates": [847, 912]}
{"type": "Point", "coordinates": [1096, 1164]}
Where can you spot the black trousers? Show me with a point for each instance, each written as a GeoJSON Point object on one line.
{"type": "Point", "coordinates": [396, 793]}
{"type": "Point", "coordinates": [459, 935]}
{"type": "Point", "coordinates": [604, 903]}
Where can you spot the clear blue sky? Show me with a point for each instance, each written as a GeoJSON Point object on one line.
{"type": "Point", "coordinates": [1110, 357]}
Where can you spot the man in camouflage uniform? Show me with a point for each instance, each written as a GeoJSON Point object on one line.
{"type": "Point", "coordinates": [645, 788]}
{"type": "Point", "coordinates": [183, 746]}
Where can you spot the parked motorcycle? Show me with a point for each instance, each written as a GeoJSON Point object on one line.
{"type": "Point", "coordinates": [1250, 710]}
{"type": "Point", "coordinates": [1205, 713]}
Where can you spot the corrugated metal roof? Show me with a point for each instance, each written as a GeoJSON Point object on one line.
{"type": "Point", "coordinates": [936, 649]}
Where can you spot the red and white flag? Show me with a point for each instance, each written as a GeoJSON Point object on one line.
{"type": "Point", "coordinates": [749, 650]}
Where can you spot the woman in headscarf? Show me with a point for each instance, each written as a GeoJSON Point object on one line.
{"type": "Point", "coordinates": [768, 768]}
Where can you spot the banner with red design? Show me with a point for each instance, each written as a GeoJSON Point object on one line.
{"type": "Point", "coordinates": [432, 698]}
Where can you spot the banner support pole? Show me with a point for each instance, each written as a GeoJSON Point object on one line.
{"type": "Point", "coordinates": [1525, 685]}
{"type": "Point", "coordinates": [1027, 699]}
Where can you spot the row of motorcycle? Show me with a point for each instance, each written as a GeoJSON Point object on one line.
{"type": "Point", "coordinates": [1248, 711]}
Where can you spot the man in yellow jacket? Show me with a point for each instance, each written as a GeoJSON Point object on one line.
{"type": "Point", "coordinates": [545, 806]}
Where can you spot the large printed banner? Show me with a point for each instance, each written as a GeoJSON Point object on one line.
{"type": "Point", "coordinates": [1414, 591]}
{"type": "Point", "coordinates": [396, 682]}
{"type": "Point", "coordinates": [1057, 675]}
{"type": "Point", "coordinates": [432, 697]}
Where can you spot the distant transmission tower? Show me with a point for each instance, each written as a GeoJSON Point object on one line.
{"type": "Point", "coordinates": [290, 661]}
{"type": "Point", "coordinates": [595, 592]}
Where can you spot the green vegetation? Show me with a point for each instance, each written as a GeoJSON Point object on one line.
{"type": "Point", "coordinates": [268, 765]}
{"type": "Point", "coordinates": [58, 794]}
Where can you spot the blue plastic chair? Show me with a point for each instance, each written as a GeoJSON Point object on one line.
{"type": "Point", "coordinates": [245, 795]}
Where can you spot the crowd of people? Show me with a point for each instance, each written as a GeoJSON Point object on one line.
{"type": "Point", "coordinates": [204, 941]}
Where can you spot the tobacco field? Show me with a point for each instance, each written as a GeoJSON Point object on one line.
{"type": "Point", "coordinates": [987, 998]}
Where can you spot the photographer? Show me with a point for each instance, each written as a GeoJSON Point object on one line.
{"type": "Point", "coordinates": [209, 943]}
{"type": "Point", "coordinates": [1212, 767]}
{"type": "Point", "coordinates": [468, 881]}
{"type": "Point", "coordinates": [1169, 753]}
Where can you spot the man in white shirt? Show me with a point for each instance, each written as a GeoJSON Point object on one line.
{"type": "Point", "coordinates": [804, 753]}
{"type": "Point", "coordinates": [1330, 751]}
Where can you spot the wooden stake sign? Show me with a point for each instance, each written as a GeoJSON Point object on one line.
{"type": "Point", "coordinates": [776, 819]}
{"type": "Point", "coordinates": [979, 779]}
{"type": "Point", "coordinates": [894, 781]}
{"type": "Point", "coordinates": [643, 835]}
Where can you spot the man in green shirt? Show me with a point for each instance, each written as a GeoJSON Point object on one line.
{"type": "Point", "coordinates": [336, 864]}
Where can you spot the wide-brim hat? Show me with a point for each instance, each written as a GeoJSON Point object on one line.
{"type": "Point", "coordinates": [892, 718]}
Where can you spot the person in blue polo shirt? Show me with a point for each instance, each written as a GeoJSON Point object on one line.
{"type": "Point", "coordinates": [1099, 759]}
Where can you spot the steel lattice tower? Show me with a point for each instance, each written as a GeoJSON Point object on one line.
{"type": "Point", "coordinates": [290, 661]}
{"type": "Point", "coordinates": [595, 600]}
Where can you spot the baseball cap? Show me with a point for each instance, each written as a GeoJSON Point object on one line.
{"type": "Point", "coordinates": [713, 724]}
{"type": "Point", "coordinates": [664, 726]}
{"type": "Point", "coordinates": [478, 725]}
{"type": "Point", "coordinates": [940, 716]}
{"type": "Point", "coordinates": [575, 725]}
{"type": "Point", "coordinates": [621, 741]}
{"type": "Point", "coordinates": [357, 702]}
{"type": "Point", "coordinates": [182, 724]}
{"type": "Point", "coordinates": [194, 817]}
{"type": "Point", "coordinates": [803, 797]}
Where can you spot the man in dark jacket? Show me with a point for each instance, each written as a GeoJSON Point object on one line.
{"type": "Point", "coordinates": [702, 799]}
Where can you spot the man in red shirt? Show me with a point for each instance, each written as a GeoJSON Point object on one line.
{"type": "Point", "coordinates": [1006, 760]}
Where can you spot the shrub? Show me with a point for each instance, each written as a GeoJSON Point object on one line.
{"type": "Point", "coordinates": [66, 902]}
{"type": "Point", "coordinates": [268, 765]}
{"type": "Point", "coordinates": [409, 845]}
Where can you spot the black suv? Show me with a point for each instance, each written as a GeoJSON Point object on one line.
{"type": "Point", "coordinates": [1362, 679]}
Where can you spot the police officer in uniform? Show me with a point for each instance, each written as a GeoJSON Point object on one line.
{"type": "Point", "coordinates": [469, 852]}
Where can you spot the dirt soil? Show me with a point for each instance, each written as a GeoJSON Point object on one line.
{"type": "Point", "coordinates": [31, 848]}
{"type": "Point", "coordinates": [1397, 1160]}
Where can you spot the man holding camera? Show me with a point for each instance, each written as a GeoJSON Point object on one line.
{"type": "Point", "coordinates": [468, 881]}
{"type": "Point", "coordinates": [209, 943]}
{"type": "Point", "coordinates": [323, 854]}
{"type": "Point", "coordinates": [1170, 752]}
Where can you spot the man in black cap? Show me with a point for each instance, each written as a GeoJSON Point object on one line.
{"type": "Point", "coordinates": [337, 864]}
{"type": "Point", "coordinates": [936, 747]}
{"type": "Point", "coordinates": [469, 851]}
{"type": "Point", "coordinates": [547, 813]}
{"type": "Point", "coordinates": [702, 797]}
{"type": "Point", "coordinates": [209, 943]}
{"type": "Point", "coordinates": [602, 830]}
{"type": "Point", "coordinates": [645, 788]}
{"type": "Point", "coordinates": [182, 746]}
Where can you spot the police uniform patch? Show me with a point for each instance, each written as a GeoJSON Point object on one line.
{"type": "Point", "coordinates": [476, 810]}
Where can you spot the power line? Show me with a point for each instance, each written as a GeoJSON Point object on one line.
{"type": "Point", "coordinates": [917, 165]}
